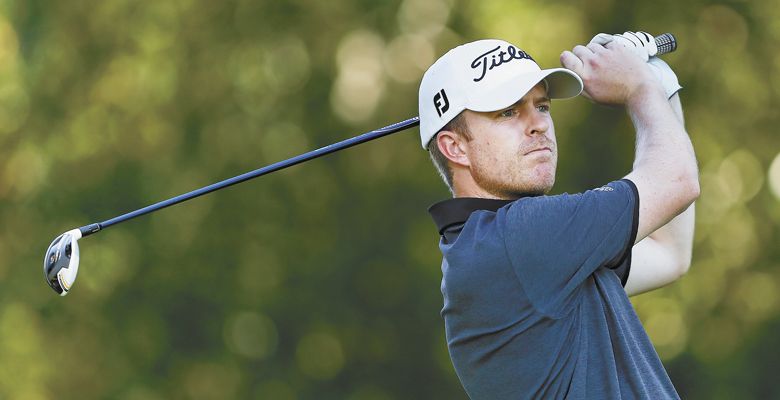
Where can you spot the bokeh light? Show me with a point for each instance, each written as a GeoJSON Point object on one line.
{"type": "Point", "coordinates": [361, 79]}
{"type": "Point", "coordinates": [320, 356]}
{"type": "Point", "coordinates": [251, 335]}
{"type": "Point", "coordinates": [774, 176]}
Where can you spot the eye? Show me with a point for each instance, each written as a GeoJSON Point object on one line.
{"type": "Point", "coordinates": [507, 113]}
{"type": "Point", "coordinates": [543, 107]}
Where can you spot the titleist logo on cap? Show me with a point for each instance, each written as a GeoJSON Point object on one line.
{"type": "Point", "coordinates": [497, 57]}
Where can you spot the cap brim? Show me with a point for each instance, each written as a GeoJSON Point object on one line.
{"type": "Point", "coordinates": [561, 84]}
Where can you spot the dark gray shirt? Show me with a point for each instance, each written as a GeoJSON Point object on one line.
{"type": "Point", "coordinates": [534, 305]}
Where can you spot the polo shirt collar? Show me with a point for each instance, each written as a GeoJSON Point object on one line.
{"type": "Point", "coordinates": [456, 211]}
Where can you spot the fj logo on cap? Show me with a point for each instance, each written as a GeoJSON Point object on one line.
{"type": "Point", "coordinates": [441, 103]}
{"type": "Point", "coordinates": [481, 63]}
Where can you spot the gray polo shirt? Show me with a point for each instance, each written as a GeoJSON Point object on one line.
{"type": "Point", "coordinates": [534, 305]}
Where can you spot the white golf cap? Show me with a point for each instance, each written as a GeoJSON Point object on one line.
{"type": "Point", "coordinates": [486, 75]}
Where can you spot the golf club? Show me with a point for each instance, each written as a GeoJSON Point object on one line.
{"type": "Point", "coordinates": [61, 263]}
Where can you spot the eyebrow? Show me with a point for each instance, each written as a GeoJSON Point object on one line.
{"type": "Point", "coordinates": [542, 99]}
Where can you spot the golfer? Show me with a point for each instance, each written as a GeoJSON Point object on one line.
{"type": "Point", "coordinates": [536, 287]}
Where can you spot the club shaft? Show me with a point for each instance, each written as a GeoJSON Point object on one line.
{"type": "Point", "coordinates": [365, 137]}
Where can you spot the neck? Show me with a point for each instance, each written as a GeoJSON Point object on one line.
{"type": "Point", "coordinates": [476, 192]}
{"type": "Point", "coordinates": [465, 186]}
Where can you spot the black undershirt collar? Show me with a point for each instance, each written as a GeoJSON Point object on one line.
{"type": "Point", "coordinates": [451, 214]}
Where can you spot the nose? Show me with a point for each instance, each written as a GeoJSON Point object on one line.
{"type": "Point", "coordinates": [539, 123]}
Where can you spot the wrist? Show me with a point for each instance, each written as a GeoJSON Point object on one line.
{"type": "Point", "coordinates": [644, 92]}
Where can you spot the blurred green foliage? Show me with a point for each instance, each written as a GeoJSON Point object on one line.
{"type": "Point", "coordinates": [322, 281]}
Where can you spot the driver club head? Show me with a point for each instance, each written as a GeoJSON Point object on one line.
{"type": "Point", "coordinates": [61, 263]}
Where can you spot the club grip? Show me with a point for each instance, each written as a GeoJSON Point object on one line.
{"type": "Point", "coordinates": [666, 43]}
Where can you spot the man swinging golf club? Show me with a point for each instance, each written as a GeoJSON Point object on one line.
{"type": "Point", "coordinates": [536, 287]}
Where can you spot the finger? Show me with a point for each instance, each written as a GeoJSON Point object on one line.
{"type": "Point", "coordinates": [582, 52]}
{"type": "Point", "coordinates": [596, 48]}
{"type": "Point", "coordinates": [637, 46]}
{"type": "Point", "coordinates": [624, 41]}
{"type": "Point", "coordinates": [602, 39]}
{"type": "Point", "coordinates": [633, 38]}
{"type": "Point", "coordinates": [621, 42]}
{"type": "Point", "coordinates": [640, 40]}
{"type": "Point", "coordinates": [646, 36]}
{"type": "Point", "coordinates": [650, 45]}
{"type": "Point", "coordinates": [571, 61]}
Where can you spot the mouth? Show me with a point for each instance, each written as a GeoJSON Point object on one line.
{"type": "Point", "coordinates": [538, 150]}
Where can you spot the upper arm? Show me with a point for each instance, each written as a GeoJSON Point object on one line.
{"type": "Point", "coordinates": [656, 206]}
{"type": "Point", "coordinates": [664, 256]}
{"type": "Point", "coordinates": [653, 265]}
{"type": "Point", "coordinates": [556, 242]}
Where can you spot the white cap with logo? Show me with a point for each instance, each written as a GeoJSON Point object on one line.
{"type": "Point", "coordinates": [486, 75]}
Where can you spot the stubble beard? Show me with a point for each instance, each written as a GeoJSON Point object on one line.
{"type": "Point", "coordinates": [513, 180]}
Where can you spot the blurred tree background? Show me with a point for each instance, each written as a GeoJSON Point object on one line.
{"type": "Point", "coordinates": [322, 281]}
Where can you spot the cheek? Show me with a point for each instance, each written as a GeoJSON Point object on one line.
{"type": "Point", "coordinates": [551, 134]}
{"type": "Point", "coordinates": [485, 153]}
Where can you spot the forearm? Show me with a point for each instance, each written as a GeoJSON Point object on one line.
{"type": "Point", "coordinates": [662, 144]}
{"type": "Point", "coordinates": [665, 163]}
{"type": "Point", "coordinates": [677, 235]}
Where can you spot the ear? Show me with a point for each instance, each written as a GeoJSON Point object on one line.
{"type": "Point", "coordinates": [453, 146]}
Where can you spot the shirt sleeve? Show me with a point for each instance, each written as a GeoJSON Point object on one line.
{"type": "Point", "coordinates": [555, 243]}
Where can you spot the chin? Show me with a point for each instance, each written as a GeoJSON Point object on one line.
{"type": "Point", "coordinates": [537, 187]}
{"type": "Point", "coordinates": [543, 179]}
{"type": "Point", "coordinates": [540, 189]}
